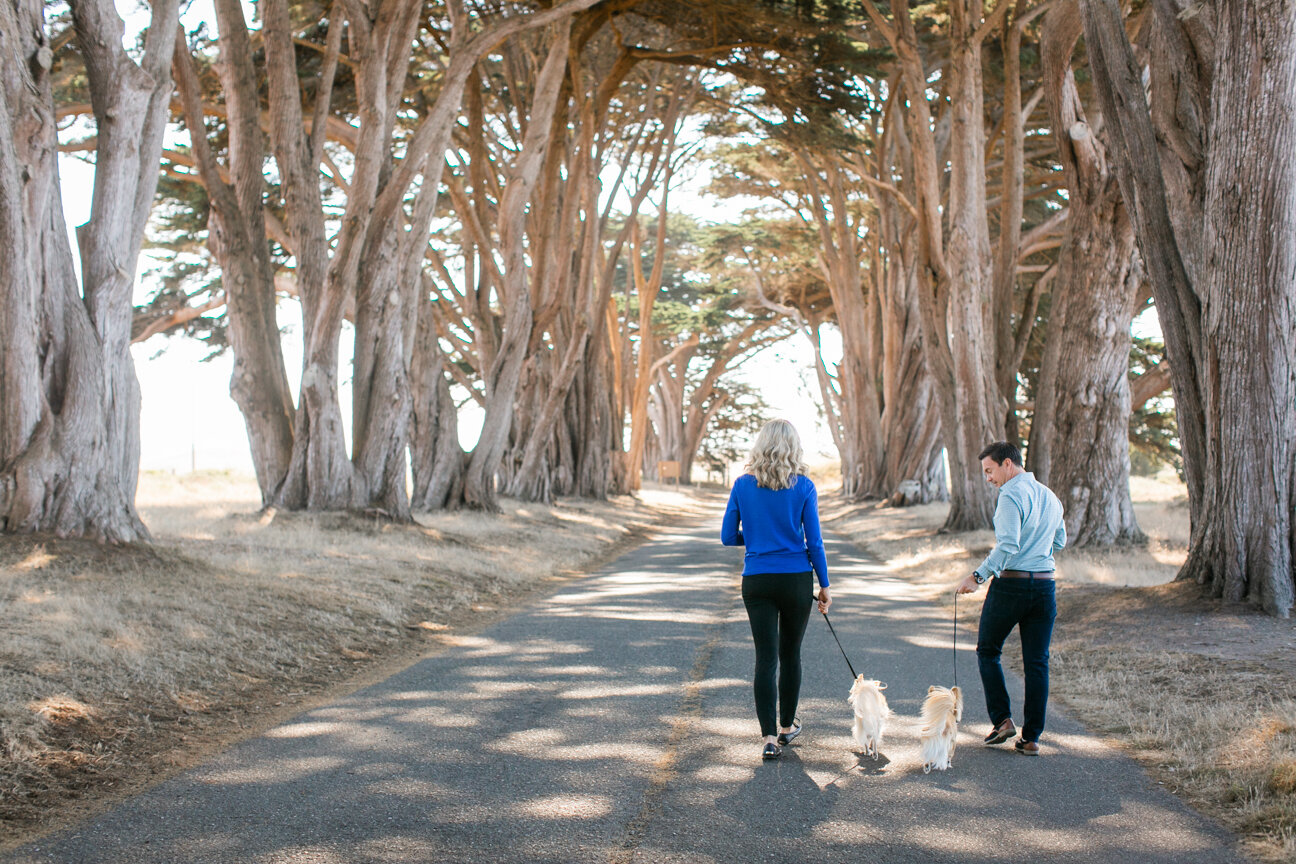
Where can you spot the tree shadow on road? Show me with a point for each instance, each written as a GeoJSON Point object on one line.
{"type": "Point", "coordinates": [764, 804]}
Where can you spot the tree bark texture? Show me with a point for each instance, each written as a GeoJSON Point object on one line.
{"type": "Point", "coordinates": [436, 458]}
{"type": "Point", "coordinates": [1244, 550]}
{"type": "Point", "coordinates": [973, 407]}
{"type": "Point", "coordinates": [955, 266]}
{"type": "Point", "coordinates": [386, 291]}
{"type": "Point", "coordinates": [1141, 171]}
{"type": "Point", "coordinates": [319, 474]}
{"type": "Point", "coordinates": [1010, 218]}
{"type": "Point", "coordinates": [914, 471]}
{"type": "Point", "coordinates": [840, 255]}
{"type": "Point", "coordinates": [647, 290]}
{"type": "Point", "coordinates": [1083, 404]}
{"type": "Point", "coordinates": [565, 438]}
{"type": "Point", "coordinates": [69, 398]}
{"type": "Point", "coordinates": [1207, 174]}
{"type": "Point", "coordinates": [395, 247]}
{"type": "Point", "coordinates": [237, 240]}
{"type": "Point", "coordinates": [369, 269]}
{"type": "Point", "coordinates": [518, 316]}
{"type": "Point", "coordinates": [879, 402]}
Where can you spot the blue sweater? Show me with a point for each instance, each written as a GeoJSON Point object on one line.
{"type": "Point", "coordinates": [779, 527]}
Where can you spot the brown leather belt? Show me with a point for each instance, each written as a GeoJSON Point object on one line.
{"type": "Point", "coordinates": [1026, 574]}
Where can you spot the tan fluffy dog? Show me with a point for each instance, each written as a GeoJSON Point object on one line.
{"type": "Point", "coordinates": [871, 713]}
{"type": "Point", "coordinates": [941, 712]}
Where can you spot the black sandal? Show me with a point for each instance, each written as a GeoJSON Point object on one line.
{"type": "Point", "coordinates": [771, 751]}
{"type": "Point", "coordinates": [785, 738]}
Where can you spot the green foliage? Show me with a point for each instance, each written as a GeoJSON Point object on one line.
{"type": "Point", "coordinates": [782, 251]}
{"type": "Point", "coordinates": [733, 427]}
{"type": "Point", "coordinates": [802, 58]}
{"type": "Point", "coordinates": [1154, 432]}
{"type": "Point", "coordinates": [698, 294]}
{"type": "Point", "coordinates": [183, 273]}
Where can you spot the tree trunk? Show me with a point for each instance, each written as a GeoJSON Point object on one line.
{"type": "Point", "coordinates": [259, 384]}
{"type": "Point", "coordinates": [859, 406]}
{"type": "Point", "coordinates": [1090, 441]}
{"type": "Point", "coordinates": [505, 371]}
{"type": "Point", "coordinates": [381, 400]}
{"type": "Point", "coordinates": [1010, 219]}
{"type": "Point", "coordinates": [1244, 550]}
{"type": "Point", "coordinates": [1084, 456]}
{"type": "Point", "coordinates": [528, 482]}
{"type": "Point", "coordinates": [436, 458]}
{"type": "Point", "coordinates": [1209, 195]}
{"type": "Point", "coordinates": [1118, 83]}
{"type": "Point", "coordinates": [914, 470]}
{"type": "Point", "coordinates": [955, 276]}
{"type": "Point", "coordinates": [973, 408]}
{"type": "Point", "coordinates": [69, 399]}
{"type": "Point", "coordinates": [540, 466]}
{"type": "Point", "coordinates": [319, 475]}
{"type": "Point", "coordinates": [374, 240]}
{"type": "Point", "coordinates": [237, 240]}
{"type": "Point", "coordinates": [647, 290]}
{"type": "Point", "coordinates": [597, 460]}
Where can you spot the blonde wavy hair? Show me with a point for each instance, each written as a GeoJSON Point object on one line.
{"type": "Point", "coordinates": [776, 458]}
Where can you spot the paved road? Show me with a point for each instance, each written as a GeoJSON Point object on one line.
{"type": "Point", "coordinates": [612, 722]}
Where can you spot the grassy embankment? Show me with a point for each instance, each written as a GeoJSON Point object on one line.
{"type": "Point", "coordinates": [1204, 694]}
{"type": "Point", "coordinates": [122, 665]}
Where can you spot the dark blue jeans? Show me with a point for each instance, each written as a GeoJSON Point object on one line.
{"type": "Point", "coordinates": [1030, 605]}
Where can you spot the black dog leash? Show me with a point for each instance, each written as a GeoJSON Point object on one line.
{"type": "Point", "coordinates": [839, 647]}
{"type": "Point", "coordinates": [955, 638]}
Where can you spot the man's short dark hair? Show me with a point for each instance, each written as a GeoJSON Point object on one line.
{"type": "Point", "coordinates": [1001, 451]}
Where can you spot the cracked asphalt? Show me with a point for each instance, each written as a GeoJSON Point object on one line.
{"type": "Point", "coordinates": [613, 722]}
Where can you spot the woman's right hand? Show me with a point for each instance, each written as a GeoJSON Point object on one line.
{"type": "Point", "coordinates": [824, 600]}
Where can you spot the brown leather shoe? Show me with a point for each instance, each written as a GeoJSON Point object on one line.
{"type": "Point", "coordinates": [1002, 732]}
{"type": "Point", "coordinates": [1026, 748]}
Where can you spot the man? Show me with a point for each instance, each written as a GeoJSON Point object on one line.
{"type": "Point", "coordinates": [1028, 530]}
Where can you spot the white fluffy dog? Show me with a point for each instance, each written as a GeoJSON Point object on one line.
{"type": "Point", "coordinates": [941, 712]}
{"type": "Point", "coordinates": [871, 713]}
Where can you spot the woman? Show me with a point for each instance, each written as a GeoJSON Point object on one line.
{"type": "Point", "coordinates": [774, 511]}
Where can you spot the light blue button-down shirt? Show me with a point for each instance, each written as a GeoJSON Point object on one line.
{"type": "Point", "coordinates": [1028, 528]}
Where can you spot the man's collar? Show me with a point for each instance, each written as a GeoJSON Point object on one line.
{"type": "Point", "coordinates": [1018, 477]}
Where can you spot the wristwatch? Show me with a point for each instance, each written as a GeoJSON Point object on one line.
{"type": "Point", "coordinates": [980, 580]}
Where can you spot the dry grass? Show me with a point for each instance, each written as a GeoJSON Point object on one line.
{"type": "Point", "coordinates": [119, 663]}
{"type": "Point", "coordinates": [1220, 734]}
{"type": "Point", "coordinates": [1207, 692]}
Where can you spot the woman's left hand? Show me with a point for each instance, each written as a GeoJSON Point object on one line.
{"type": "Point", "coordinates": [824, 600]}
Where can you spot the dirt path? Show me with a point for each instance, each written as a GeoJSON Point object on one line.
{"type": "Point", "coordinates": [611, 722]}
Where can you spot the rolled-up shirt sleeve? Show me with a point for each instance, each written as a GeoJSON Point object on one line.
{"type": "Point", "coordinates": [814, 537]}
{"type": "Point", "coordinates": [731, 527]}
{"type": "Point", "coordinates": [1008, 527]}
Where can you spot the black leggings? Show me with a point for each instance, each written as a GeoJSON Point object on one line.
{"type": "Point", "coordinates": [778, 607]}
